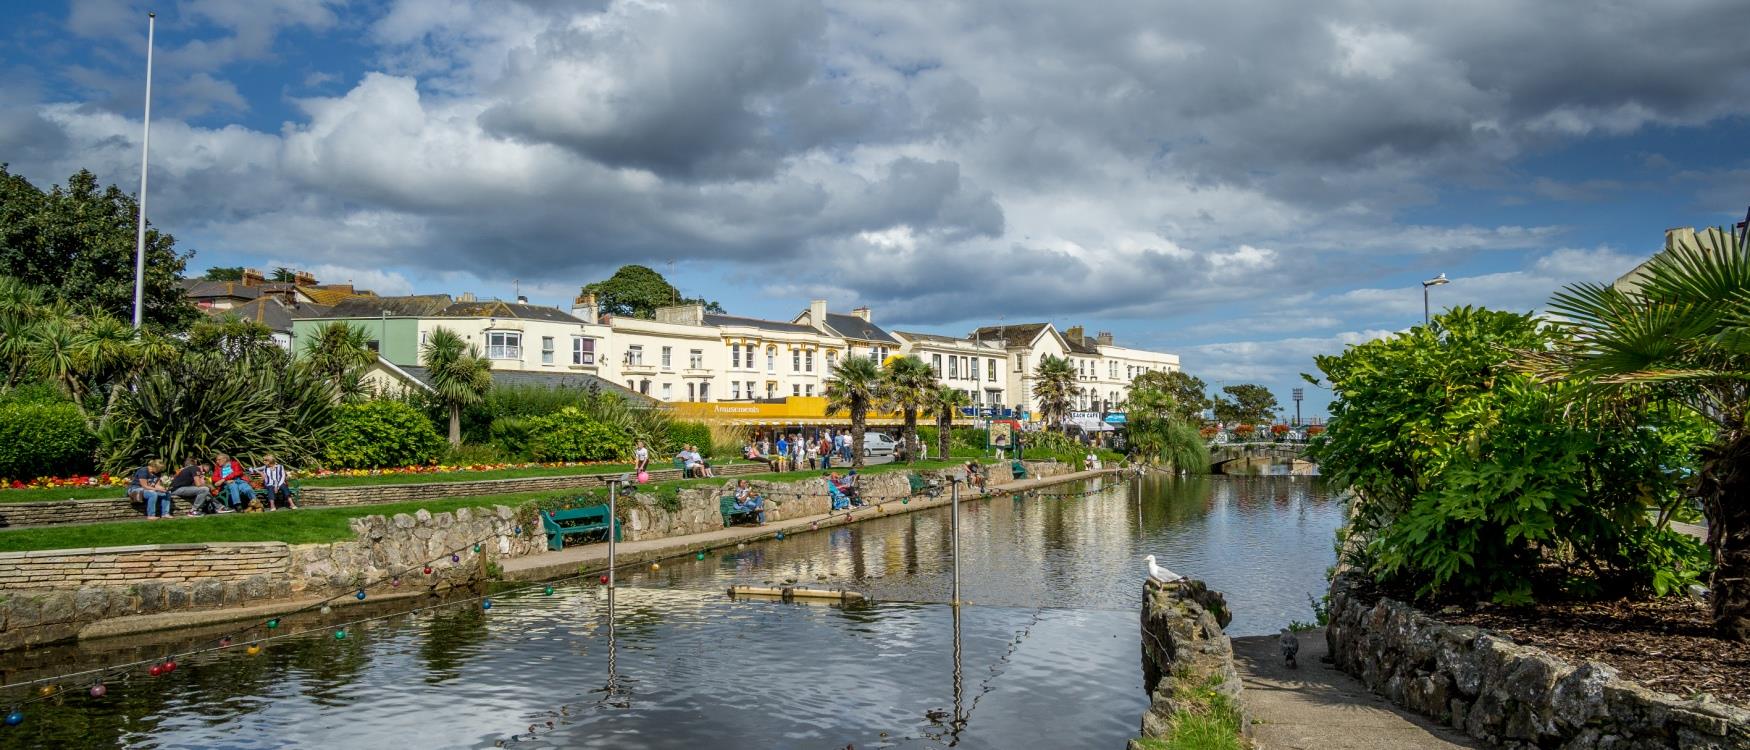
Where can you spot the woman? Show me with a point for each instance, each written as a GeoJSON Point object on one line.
{"type": "Point", "coordinates": [746, 500]}
{"type": "Point", "coordinates": [147, 484]}
{"type": "Point", "coordinates": [228, 475]}
{"type": "Point", "coordinates": [975, 475]}
{"type": "Point", "coordinates": [273, 482]}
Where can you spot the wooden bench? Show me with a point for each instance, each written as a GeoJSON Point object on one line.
{"type": "Point", "coordinates": [726, 506]}
{"type": "Point", "coordinates": [563, 523]}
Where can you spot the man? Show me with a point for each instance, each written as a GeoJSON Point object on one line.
{"type": "Point", "coordinates": [695, 462]}
{"type": "Point", "coordinates": [146, 483]}
{"type": "Point", "coordinates": [845, 446]}
{"type": "Point", "coordinates": [273, 482]}
{"type": "Point", "coordinates": [826, 449]}
{"type": "Point", "coordinates": [975, 475]}
{"type": "Point", "coordinates": [191, 485]}
{"type": "Point", "coordinates": [852, 491]}
{"type": "Point", "coordinates": [781, 451]}
{"type": "Point", "coordinates": [746, 500]}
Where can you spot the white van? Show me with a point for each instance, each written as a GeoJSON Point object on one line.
{"type": "Point", "coordinates": [878, 444]}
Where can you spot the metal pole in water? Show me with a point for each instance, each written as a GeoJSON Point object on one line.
{"type": "Point", "coordinates": [613, 529]}
{"type": "Point", "coordinates": [954, 532]}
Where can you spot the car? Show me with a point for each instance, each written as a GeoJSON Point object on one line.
{"type": "Point", "coordinates": [878, 444]}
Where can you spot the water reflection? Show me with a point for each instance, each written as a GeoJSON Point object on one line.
{"type": "Point", "coordinates": [668, 661]}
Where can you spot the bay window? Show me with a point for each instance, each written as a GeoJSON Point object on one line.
{"type": "Point", "coordinates": [504, 345]}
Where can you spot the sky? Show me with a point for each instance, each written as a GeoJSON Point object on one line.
{"type": "Point", "coordinates": [1245, 184]}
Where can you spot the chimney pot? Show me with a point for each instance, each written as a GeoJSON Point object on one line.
{"type": "Point", "coordinates": [861, 312]}
{"type": "Point", "coordinates": [522, 300]}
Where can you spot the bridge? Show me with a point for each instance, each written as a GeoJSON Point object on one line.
{"type": "Point", "coordinates": [1223, 456]}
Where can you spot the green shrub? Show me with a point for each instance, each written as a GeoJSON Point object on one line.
{"type": "Point", "coordinates": [33, 393]}
{"type": "Point", "coordinates": [687, 433]}
{"type": "Point", "coordinates": [380, 433]}
{"type": "Point", "coordinates": [572, 435]}
{"type": "Point", "coordinates": [44, 439]}
{"type": "Point", "coordinates": [470, 454]}
{"type": "Point", "coordinates": [510, 435]}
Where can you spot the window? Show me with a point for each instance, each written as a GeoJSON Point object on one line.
{"type": "Point", "coordinates": [735, 355]}
{"type": "Point", "coordinates": [978, 397]}
{"type": "Point", "coordinates": [635, 355]}
{"type": "Point", "coordinates": [771, 359]}
{"type": "Point", "coordinates": [808, 360]}
{"type": "Point", "coordinates": [832, 359]}
{"type": "Point", "coordinates": [644, 387]}
{"type": "Point", "coordinates": [582, 350]}
{"type": "Point", "coordinates": [966, 367]}
{"type": "Point", "coordinates": [936, 364]}
{"type": "Point", "coordinates": [795, 360]}
{"type": "Point", "coordinates": [953, 367]}
{"type": "Point", "coordinates": [422, 335]}
{"type": "Point", "coordinates": [1113, 370]}
{"type": "Point", "coordinates": [990, 372]}
{"type": "Point", "coordinates": [667, 392]}
{"type": "Point", "coordinates": [691, 392]}
{"type": "Point", "coordinates": [696, 359]}
{"type": "Point", "coordinates": [546, 350]}
{"type": "Point", "coordinates": [771, 390]}
{"type": "Point", "coordinates": [750, 390]}
{"type": "Point", "coordinates": [504, 345]}
{"type": "Point", "coordinates": [1020, 363]}
{"type": "Point", "coordinates": [795, 389]}
{"type": "Point", "coordinates": [974, 370]}
{"type": "Point", "coordinates": [735, 390]}
{"type": "Point", "coordinates": [704, 391]}
{"type": "Point", "coordinates": [667, 357]}
{"type": "Point", "coordinates": [808, 389]}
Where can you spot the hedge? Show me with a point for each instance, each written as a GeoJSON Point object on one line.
{"type": "Point", "coordinates": [571, 435]}
{"type": "Point", "coordinates": [385, 432]}
{"type": "Point", "coordinates": [44, 439]}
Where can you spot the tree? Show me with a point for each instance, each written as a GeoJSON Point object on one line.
{"type": "Point", "coordinates": [854, 387]}
{"type": "Point", "coordinates": [1189, 394]}
{"type": "Point", "coordinates": [282, 275]}
{"type": "Point", "coordinates": [223, 273]}
{"type": "Point", "coordinates": [636, 291]}
{"type": "Point", "coordinates": [1680, 335]}
{"type": "Point", "coordinates": [340, 352]}
{"type": "Point", "coordinates": [944, 404]}
{"type": "Point", "coordinates": [233, 337]}
{"type": "Point", "coordinates": [1159, 430]}
{"type": "Point", "coordinates": [906, 385]}
{"type": "Point", "coordinates": [1472, 480]}
{"type": "Point", "coordinates": [1054, 384]}
{"type": "Point", "coordinates": [459, 375]}
{"type": "Point", "coordinates": [1249, 404]}
{"type": "Point", "coordinates": [77, 244]}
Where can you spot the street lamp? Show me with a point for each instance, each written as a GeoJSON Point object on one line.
{"type": "Point", "coordinates": [1436, 281]}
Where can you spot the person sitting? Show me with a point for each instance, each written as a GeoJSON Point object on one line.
{"type": "Point", "coordinates": [975, 475]}
{"type": "Point", "coordinates": [753, 453]}
{"type": "Point", "coordinates": [273, 482]}
{"type": "Point", "coordinates": [747, 501]}
{"type": "Point", "coordinates": [147, 484]}
{"type": "Point", "coordinates": [191, 483]}
{"type": "Point", "coordinates": [851, 490]}
{"type": "Point", "coordinates": [834, 493]}
{"type": "Point", "coordinates": [695, 462]}
{"type": "Point", "coordinates": [229, 477]}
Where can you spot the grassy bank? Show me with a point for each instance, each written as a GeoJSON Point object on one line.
{"type": "Point", "coordinates": [1205, 720]}
{"type": "Point", "coordinates": [315, 525]}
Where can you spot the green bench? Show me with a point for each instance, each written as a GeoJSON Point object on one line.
{"type": "Point", "coordinates": [563, 523]}
{"type": "Point", "coordinates": [1018, 469]}
{"type": "Point", "coordinates": [921, 486]}
{"type": "Point", "coordinates": [726, 506]}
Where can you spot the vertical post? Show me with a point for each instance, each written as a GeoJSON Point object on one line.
{"type": "Point", "coordinates": [613, 531]}
{"type": "Point", "coordinates": [145, 147]}
{"type": "Point", "coordinates": [954, 532]}
{"type": "Point", "coordinates": [1424, 304]}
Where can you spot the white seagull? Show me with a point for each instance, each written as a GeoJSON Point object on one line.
{"type": "Point", "coordinates": [1159, 573]}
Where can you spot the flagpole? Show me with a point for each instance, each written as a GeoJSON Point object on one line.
{"type": "Point", "coordinates": [145, 146]}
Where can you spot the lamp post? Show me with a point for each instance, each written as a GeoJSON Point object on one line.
{"type": "Point", "coordinates": [1436, 281]}
{"type": "Point", "coordinates": [140, 220]}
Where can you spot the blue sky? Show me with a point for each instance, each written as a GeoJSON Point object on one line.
{"type": "Point", "coordinates": [1151, 169]}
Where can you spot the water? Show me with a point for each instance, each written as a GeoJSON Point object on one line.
{"type": "Point", "coordinates": [1045, 656]}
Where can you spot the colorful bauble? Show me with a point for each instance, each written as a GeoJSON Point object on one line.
{"type": "Point", "coordinates": [252, 650]}
{"type": "Point", "coordinates": [699, 556]}
{"type": "Point", "coordinates": [455, 557]}
{"type": "Point", "coordinates": [274, 623]}
{"type": "Point", "coordinates": [486, 604]}
{"type": "Point", "coordinates": [604, 579]}
{"type": "Point", "coordinates": [340, 635]}
{"type": "Point", "coordinates": [548, 591]}
{"type": "Point", "coordinates": [14, 718]}
{"type": "Point", "coordinates": [360, 595]}
{"type": "Point", "coordinates": [155, 670]}
{"type": "Point", "coordinates": [99, 690]}
{"type": "Point", "coordinates": [428, 570]}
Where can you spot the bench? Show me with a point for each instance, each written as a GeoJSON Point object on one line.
{"type": "Point", "coordinates": [921, 486]}
{"type": "Point", "coordinates": [1018, 469]}
{"type": "Point", "coordinates": [563, 523]}
{"type": "Point", "coordinates": [726, 506]}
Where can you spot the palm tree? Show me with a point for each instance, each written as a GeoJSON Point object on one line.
{"type": "Point", "coordinates": [906, 385]}
{"type": "Point", "coordinates": [1680, 333]}
{"type": "Point", "coordinates": [338, 352]}
{"type": "Point", "coordinates": [854, 387]}
{"type": "Point", "coordinates": [459, 375]}
{"type": "Point", "coordinates": [1160, 433]}
{"type": "Point", "coordinates": [945, 402]}
{"type": "Point", "coordinates": [282, 275]}
{"type": "Point", "coordinates": [1054, 384]}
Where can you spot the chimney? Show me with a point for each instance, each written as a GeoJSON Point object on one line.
{"type": "Point", "coordinates": [817, 313]}
{"type": "Point", "coordinates": [1073, 333]}
{"type": "Point", "coordinates": [252, 277]}
{"type": "Point", "coordinates": [1104, 338]}
{"type": "Point", "coordinates": [467, 297]}
{"type": "Point", "coordinates": [861, 312]}
{"type": "Point", "coordinates": [522, 300]}
{"type": "Point", "coordinates": [1673, 236]}
{"type": "Point", "coordinates": [584, 308]}
{"type": "Point", "coordinates": [304, 278]}
{"type": "Point", "coordinates": [686, 315]}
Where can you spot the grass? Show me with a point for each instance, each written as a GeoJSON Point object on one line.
{"type": "Point", "coordinates": [315, 525]}
{"type": "Point", "coordinates": [1204, 720]}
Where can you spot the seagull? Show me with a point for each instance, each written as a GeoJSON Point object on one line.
{"type": "Point", "coordinates": [1159, 573]}
{"type": "Point", "coordinates": [1290, 647]}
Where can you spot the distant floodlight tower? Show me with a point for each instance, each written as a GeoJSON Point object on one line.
{"type": "Point", "coordinates": [1298, 394]}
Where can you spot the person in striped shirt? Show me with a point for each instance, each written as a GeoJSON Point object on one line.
{"type": "Point", "coordinates": [273, 482]}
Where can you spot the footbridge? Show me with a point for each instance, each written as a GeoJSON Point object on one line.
{"type": "Point", "coordinates": [1224, 457]}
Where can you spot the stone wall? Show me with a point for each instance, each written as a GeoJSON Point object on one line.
{"type": "Point", "coordinates": [1183, 641]}
{"type": "Point", "coordinates": [118, 566]}
{"type": "Point", "coordinates": [1508, 694]}
{"type": "Point", "coordinates": [400, 545]}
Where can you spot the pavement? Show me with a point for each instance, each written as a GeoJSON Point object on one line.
{"type": "Point", "coordinates": [1318, 707]}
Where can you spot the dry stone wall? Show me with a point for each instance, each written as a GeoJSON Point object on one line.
{"type": "Point", "coordinates": [1508, 694]}
{"type": "Point", "coordinates": [1183, 640]}
{"type": "Point", "coordinates": [117, 566]}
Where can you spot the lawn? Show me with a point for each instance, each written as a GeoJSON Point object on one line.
{"type": "Point", "coordinates": [322, 524]}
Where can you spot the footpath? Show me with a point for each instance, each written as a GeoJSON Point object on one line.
{"type": "Point", "coordinates": [1318, 707]}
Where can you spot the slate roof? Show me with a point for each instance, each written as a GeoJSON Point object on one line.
{"type": "Point", "coordinates": [768, 325]}
{"type": "Point", "coordinates": [419, 305]}
{"type": "Point", "coordinates": [502, 378]}
{"type": "Point", "coordinates": [1082, 345]}
{"type": "Point", "coordinates": [497, 309]}
{"type": "Point", "coordinates": [205, 289]}
{"type": "Point", "coordinates": [1013, 335]}
{"type": "Point", "coordinates": [272, 312]}
{"type": "Point", "coordinates": [853, 327]}
{"type": "Point", "coordinates": [936, 338]}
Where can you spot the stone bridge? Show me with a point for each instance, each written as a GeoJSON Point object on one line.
{"type": "Point", "coordinates": [1223, 456]}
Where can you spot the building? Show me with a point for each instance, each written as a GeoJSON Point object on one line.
{"type": "Point", "coordinates": [859, 334]}
{"type": "Point", "coordinates": [967, 364]}
{"type": "Point", "coordinates": [271, 303]}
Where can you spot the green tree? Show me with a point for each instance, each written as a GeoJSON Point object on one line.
{"type": "Point", "coordinates": [233, 337]}
{"type": "Point", "coordinates": [944, 404]}
{"type": "Point", "coordinates": [282, 275]}
{"type": "Point", "coordinates": [636, 291]}
{"type": "Point", "coordinates": [854, 387]}
{"type": "Point", "coordinates": [1247, 403]}
{"type": "Point", "coordinates": [459, 375]}
{"type": "Point", "coordinates": [1160, 432]}
{"type": "Point", "coordinates": [1190, 394]}
{"type": "Point", "coordinates": [223, 273]}
{"type": "Point", "coordinates": [77, 244]}
{"type": "Point", "coordinates": [1471, 479]}
{"type": "Point", "coordinates": [340, 352]}
{"type": "Point", "coordinates": [1054, 384]}
{"type": "Point", "coordinates": [1680, 335]}
{"type": "Point", "coordinates": [906, 385]}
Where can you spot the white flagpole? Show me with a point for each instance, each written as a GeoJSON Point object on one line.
{"type": "Point", "coordinates": [145, 146]}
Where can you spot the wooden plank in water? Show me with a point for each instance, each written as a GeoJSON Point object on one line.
{"type": "Point", "coordinates": [796, 592]}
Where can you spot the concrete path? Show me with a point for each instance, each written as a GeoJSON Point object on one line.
{"type": "Point", "coordinates": [1318, 707]}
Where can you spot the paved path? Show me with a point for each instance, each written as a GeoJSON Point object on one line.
{"type": "Point", "coordinates": [1318, 707]}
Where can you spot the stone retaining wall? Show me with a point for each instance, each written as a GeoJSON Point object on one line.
{"type": "Point", "coordinates": [1183, 641]}
{"type": "Point", "coordinates": [116, 566]}
{"type": "Point", "coordinates": [1508, 694]}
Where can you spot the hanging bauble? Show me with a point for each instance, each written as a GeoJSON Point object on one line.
{"type": "Point", "coordinates": [99, 690]}
{"type": "Point", "coordinates": [428, 570]}
{"type": "Point", "coordinates": [486, 604]}
{"type": "Point", "coordinates": [699, 556]}
{"type": "Point", "coordinates": [14, 718]}
{"type": "Point", "coordinates": [396, 581]}
{"type": "Point", "coordinates": [360, 595]}
{"type": "Point", "coordinates": [455, 557]}
{"type": "Point", "coordinates": [656, 566]}
{"type": "Point", "coordinates": [741, 545]}
{"type": "Point", "coordinates": [340, 635]}
{"type": "Point", "coordinates": [476, 548]}
{"type": "Point", "coordinates": [518, 531]}
{"type": "Point", "coordinates": [252, 650]}
{"type": "Point", "coordinates": [225, 642]}
{"type": "Point", "coordinates": [46, 690]}
{"type": "Point", "coordinates": [274, 623]}
{"type": "Point", "coordinates": [155, 670]}
{"type": "Point", "coordinates": [814, 526]}
{"type": "Point", "coordinates": [170, 666]}
{"type": "Point", "coordinates": [604, 579]}
{"type": "Point", "coordinates": [548, 591]}
{"type": "Point", "coordinates": [780, 536]}
{"type": "Point", "coordinates": [905, 501]}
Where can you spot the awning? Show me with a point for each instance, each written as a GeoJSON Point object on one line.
{"type": "Point", "coordinates": [1115, 418]}
{"type": "Point", "coordinates": [1091, 424]}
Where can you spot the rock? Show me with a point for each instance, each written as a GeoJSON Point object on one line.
{"type": "Point", "coordinates": [1578, 697]}
{"type": "Point", "coordinates": [209, 593]}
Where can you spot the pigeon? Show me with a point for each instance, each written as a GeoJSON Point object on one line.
{"type": "Point", "coordinates": [1290, 647]}
{"type": "Point", "coordinates": [1159, 573]}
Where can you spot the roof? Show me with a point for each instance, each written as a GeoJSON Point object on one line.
{"type": "Point", "coordinates": [1082, 345]}
{"type": "Point", "coordinates": [579, 380]}
{"type": "Point", "coordinates": [418, 306]}
{"type": "Point", "coordinates": [1013, 335]}
{"type": "Point", "coordinates": [914, 336]}
{"type": "Point", "coordinates": [203, 288]}
{"type": "Point", "coordinates": [271, 312]}
{"type": "Point", "coordinates": [768, 325]}
{"type": "Point", "coordinates": [332, 294]}
{"type": "Point", "coordinates": [497, 309]}
{"type": "Point", "coordinates": [853, 327]}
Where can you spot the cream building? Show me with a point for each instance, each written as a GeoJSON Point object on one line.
{"type": "Point", "coordinates": [972, 366]}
